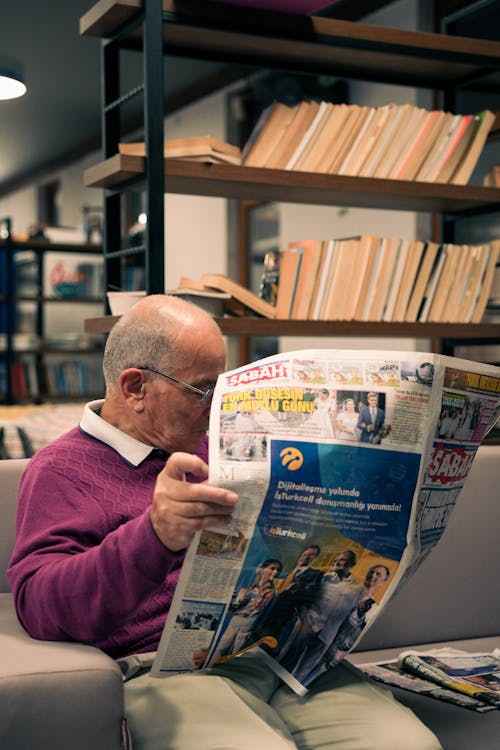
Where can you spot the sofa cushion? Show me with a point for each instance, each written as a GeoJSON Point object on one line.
{"type": "Point", "coordinates": [56, 696]}
{"type": "Point", "coordinates": [10, 474]}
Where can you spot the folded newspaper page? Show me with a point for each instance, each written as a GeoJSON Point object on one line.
{"type": "Point", "coordinates": [391, 673]}
{"type": "Point", "coordinates": [476, 675]}
{"type": "Point", "coordinates": [347, 465]}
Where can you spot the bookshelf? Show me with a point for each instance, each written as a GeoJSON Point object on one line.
{"type": "Point", "coordinates": [36, 363]}
{"type": "Point", "coordinates": [315, 45]}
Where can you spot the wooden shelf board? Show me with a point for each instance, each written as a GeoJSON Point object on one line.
{"type": "Point", "coordinates": [106, 16]}
{"type": "Point", "coordinates": [227, 181]}
{"type": "Point", "coordinates": [309, 44]}
{"type": "Point", "coordinates": [271, 327]}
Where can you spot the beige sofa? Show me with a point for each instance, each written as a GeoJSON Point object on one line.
{"type": "Point", "coordinates": [53, 696]}
{"type": "Point", "coordinates": [56, 696]}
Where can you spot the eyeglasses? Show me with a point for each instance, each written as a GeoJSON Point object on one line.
{"type": "Point", "coordinates": [205, 396]}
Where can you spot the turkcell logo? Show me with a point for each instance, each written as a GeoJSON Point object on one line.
{"type": "Point", "coordinates": [291, 458]}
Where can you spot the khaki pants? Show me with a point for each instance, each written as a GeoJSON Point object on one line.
{"type": "Point", "coordinates": [242, 705]}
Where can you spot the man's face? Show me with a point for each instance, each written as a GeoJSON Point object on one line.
{"type": "Point", "coordinates": [372, 401]}
{"type": "Point", "coordinates": [341, 565]}
{"type": "Point", "coordinates": [307, 557]}
{"type": "Point", "coordinates": [376, 576]}
{"type": "Point", "coordinates": [174, 418]}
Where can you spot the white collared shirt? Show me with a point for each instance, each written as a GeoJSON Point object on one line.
{"type": "Point", "coordinates": [129, 448]}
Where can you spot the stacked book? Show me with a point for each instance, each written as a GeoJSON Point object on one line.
{"type": "Point", "coordinates": [219, 295]}
{"type": "Point", "coordinates": [368, 278]}
{"type": "Point", "coordinates": [399, 142]}
{"type": "Point", "coordinates": [204, 148]}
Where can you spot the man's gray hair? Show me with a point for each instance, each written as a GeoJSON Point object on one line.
{"type": "Point", "coordinates": [132, 342]}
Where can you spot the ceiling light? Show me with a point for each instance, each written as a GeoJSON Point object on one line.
{"type": "Point", "coordinates": [11, 85]}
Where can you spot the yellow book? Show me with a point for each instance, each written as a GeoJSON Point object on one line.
{"type": "Point", "coordinates": [485, 284]}
{"type": "Point", "coordinates": [466, 167]}
{"type": "Point", "coordinates": [320, 286]}
{"type": "Point", "coordinates": [266, 133]}
{"type": "Point", "coordinates": [422, 146]}
{"type": "Point", "coordinates": [350, 164]}
{"type": "Point", "coordinates": [432, 284]}
{"type": "Point", "coordinates": [448, 279]}
{"type": "Point", "coordinates": [310, 136]}
{"type": "Point", "coordinates": [361, 260]}
{"type": "Point", "coordinates": [290, 260]}
{"type": "Point", "coordinates": [369, 245]}
{"type": "Point", "coordinates": [346, 137]}
{"type": "Point", "coordinates": [415, 251]}
{"type": "Point", "coordinates": [378, 154]}
{"type": "Point", "coordinates": [407, 142]}
{"type": "Point", "coordinates": [388, 250]}
{"type": "Point", "coordinates": [316, 159]}
{"type": "Point", "coordinates": [312, 251]}
{"type": "Point", "coordinates": [456, 150]}
{"type": "Point", "coordinates": [421, 281]}
{"type": "Point", "coordinates": [430, 166]}
{"type": "Point", "coordinates": [407, 128]}
{"type": "Point", "coordinates": [396, 279]}
{"type": "Point", "coordinates": [346, 269]}
{"type": "Point", "coordinates": [240, 293]}
{"type": "Point", "coordinates": [372, 281]}
{"type": "Point", "coordinates": [330, 281]}
{"type": "Point", "coordinates": [199, 147]}
{"type": "Point", "coordinates": [370, 138]}
{"type": "Point", "coordinates": [458, 288]}
{"type": "Point", "coordinates": [291, 137]}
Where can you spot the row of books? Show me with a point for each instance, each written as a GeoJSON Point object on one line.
{"type": "Point", "coordinates": [30, 380]}
{"type": "Point", "coordinates": [370, 278]}
{"type": "Point", "coordinates": [400, 142]}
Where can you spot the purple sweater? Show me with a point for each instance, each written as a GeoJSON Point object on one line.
{"type": "Point", "coordinates": [87, 565]}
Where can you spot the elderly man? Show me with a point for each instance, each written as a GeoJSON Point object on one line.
{"type": "Point", "coordinates": [105, 515]}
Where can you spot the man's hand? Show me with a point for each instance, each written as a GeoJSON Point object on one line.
{"type": "Point", "coordinates": [181, 508]}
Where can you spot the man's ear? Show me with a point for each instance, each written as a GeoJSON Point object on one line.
{"type": "Point", "coordinates": [132, 385]}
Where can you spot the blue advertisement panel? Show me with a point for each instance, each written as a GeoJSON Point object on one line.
{"type": "Point", "coordinates": [366, 494]}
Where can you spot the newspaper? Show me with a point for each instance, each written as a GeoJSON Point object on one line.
{"type": "Point", "coordinates": [479, 676]}
{"type": "Point", "coordinates": [476, 675]}
{"type": "Point", "coordinates": [347, 465]}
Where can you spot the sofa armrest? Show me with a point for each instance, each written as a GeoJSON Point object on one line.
{"type": "Point", "coordinates": [56, 695]}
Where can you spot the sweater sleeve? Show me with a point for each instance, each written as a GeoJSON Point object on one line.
{"type": "Point", "coordinates": [77, 575]}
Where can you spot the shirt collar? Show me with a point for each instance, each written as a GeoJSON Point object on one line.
{"type": "Point", "coordinates": [129, 448]}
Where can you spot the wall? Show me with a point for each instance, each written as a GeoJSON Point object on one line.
{"type": "Point", "coordinates": [195, 227]}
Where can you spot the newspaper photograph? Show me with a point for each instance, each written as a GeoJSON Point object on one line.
{"type": "Point", "coordinates": [347, 465]}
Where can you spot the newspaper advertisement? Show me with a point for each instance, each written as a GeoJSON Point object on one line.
{"type": "Point", "coordinates": [463, 679]}
{"type": "Point", "coordinates": [347, 465]}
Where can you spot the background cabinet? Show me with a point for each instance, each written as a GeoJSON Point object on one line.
{"type": "Point", "coordinates": [38, 359]}
{"type": "Point", "coordinates": [314, 45]}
